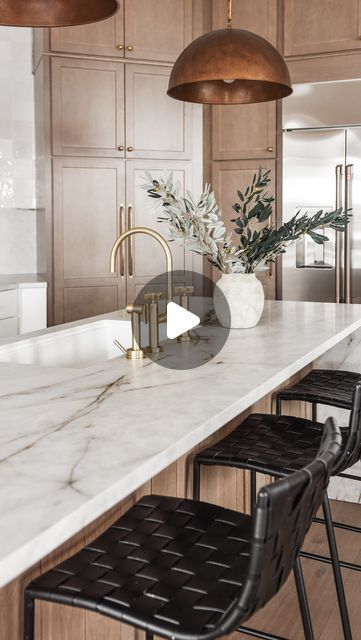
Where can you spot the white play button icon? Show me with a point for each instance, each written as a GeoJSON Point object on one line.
{"type": "Point", "coordinates": [179, 320]}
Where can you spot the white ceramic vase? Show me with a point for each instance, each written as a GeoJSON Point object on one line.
{"type": "Point", "coordinates": [238, 300]}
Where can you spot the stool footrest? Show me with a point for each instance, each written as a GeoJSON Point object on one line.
{"type": "Point", "coordinates": [327, 560]}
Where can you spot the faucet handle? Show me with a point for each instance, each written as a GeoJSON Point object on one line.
{"type": "Point", "coordinates": [153, 297]}
{"type": "Point", "coordinates": [184, 290]}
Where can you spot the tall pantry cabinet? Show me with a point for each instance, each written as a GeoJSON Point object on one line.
{"type": "Point", "coordinates": [102, 119]}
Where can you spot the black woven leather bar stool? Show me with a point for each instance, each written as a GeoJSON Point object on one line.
{"type": "Point", "coordinates": [188, 570]}
{"type": "Point", "coordinates": [278, 445]}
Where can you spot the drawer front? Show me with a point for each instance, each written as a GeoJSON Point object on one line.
{"type": "Point", "coordinates": [8, 327]}
{"type": "Point", "coordinates": [8, 303]}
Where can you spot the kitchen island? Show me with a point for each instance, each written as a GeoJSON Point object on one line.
{"type": "Point", "coordinates": [79, 445]}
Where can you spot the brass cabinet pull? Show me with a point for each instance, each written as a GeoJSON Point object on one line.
{"type": "Point", "coordinates": [120, 47]}
{"type": "Point", "coordinates": [129, 47]}
{"type": "Point", "coordinates": [120, 148]}
{"type": "Point", "coordinates": [130, 241]}
{"type": "Point", "coordinates": [121, 231]}
{"type": "Point", "coordinates": [270, 149]}
{"type": "Point", "coordinates": [130, 148]}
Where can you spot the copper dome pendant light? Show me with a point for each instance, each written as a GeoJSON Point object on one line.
{"type": "Point", "coordinates": [55, 13]}
{"type": "Point", "coordinates": [229, 66]}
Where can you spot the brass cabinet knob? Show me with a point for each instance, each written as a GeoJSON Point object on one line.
{"type": "Point", "coordinates": [130, 149]}
{"type": "Point", "coordinates": [120, 148]}
{"type": "Point", "coordinates": [270, 149]}
{"type": "Point", "coordinates": [129, 47]}
{"type": "Point", "coordinates": [120, 47]}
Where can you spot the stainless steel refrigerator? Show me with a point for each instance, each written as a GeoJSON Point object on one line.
{"type": "Point", "coordinates": [322, 170]}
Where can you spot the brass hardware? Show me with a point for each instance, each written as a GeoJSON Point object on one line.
{"type": "Point", "coordinates": [129, 47]}
{"type": "Point", "coordinates": [130, 149]}
{"type": "Point", "coordinates": [121, 230]}
{"type": "Point", "coordinates": [338, 170]}
{"type": "Point", "coordinates": [135, 352]}
{"type": "Point", "coordinates": [184, 292]}
{"type": "Point", "coordinates": [120, 346]}
{"type": "Point", "coordinates": [120, 47]}
{"type": "Point", "coordinates": [120, 148]}
{"type": "Point", "coordinates": [152, 300]}
{"type": "Point", "coordinates": [229, 14]}
{"type": "Point", "coordinates": [270, 149]}
{"type": "Point", "coordinates": [130, 241]}
{"type": "Point", "coordinates": [347, 238]}
{"type": "Point", "coordinates": [165, 247]}
{"type": "Point", "coordinates": [62, 13]}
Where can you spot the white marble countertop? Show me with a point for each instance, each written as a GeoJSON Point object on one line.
{"type": "Point", "coordinates": [74, 442]}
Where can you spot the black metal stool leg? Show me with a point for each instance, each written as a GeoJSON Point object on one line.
{"type": "Point", "coordinates": [314, 412]}
{"type": "Point", "coordinates": [29, 617]}
{"type": "Point", "coordinates": [336, 569]}
{"type": "Point", "coordinates": [196, 479]}
{"type": "Point", "coordinates": [253, 496]}
{"type": "Point", "coordinates": [302, 600]}
{"type": "Point", "coordinates": [278, 406]}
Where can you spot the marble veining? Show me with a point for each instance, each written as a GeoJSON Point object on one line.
{"type": "Point", "coordinates": [74, 442]}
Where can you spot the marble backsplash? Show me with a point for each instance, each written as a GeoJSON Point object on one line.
{"type": "Point", "coordinates": [347, 356]}
{"type": "Point", "coordinates": [21, 249]}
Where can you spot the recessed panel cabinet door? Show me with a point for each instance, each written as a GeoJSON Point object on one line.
{"type": "Point", "coordinates": [318, 27]}
{"type": "Point", "coordinates": [245, 131]}
{"type": "Point", "coordinates": [156, 126]}
{"type": "Point", "coordinates": [227, 178]}
{"type": "Point", "coordinates": [88, 110]}
{"type": "Point", "coordinates": [157, 30]}
{"type": "Point", "coordinates": [104, 38]}
{"type": "Point", "coordinates": [145, 258]}
{"type": "Point", "coordinates": [87, 197]}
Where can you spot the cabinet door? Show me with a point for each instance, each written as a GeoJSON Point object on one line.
{"type": "Point", "coordinates": [87, 197]}
{"type": "Point", "coordinates": [157, 30]}
{"type": "Point", "coordinates": [246, 131]}
{"type": "Point", "coordinates": [104, 38]}
{"type": "Point", "coordinates": [156, 126]}
{"type": "Point", "coordinates": [227, 178]}
{"type": "Point", "coordinates": [258, 16]}
{"type": "Point", "coordinates": [88, 110]}
{"type": "Point", "coordinates": [145, 257]}
{"type": "Point", "coordinates": [325, 25]}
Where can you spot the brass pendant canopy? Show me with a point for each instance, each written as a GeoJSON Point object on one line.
{"type": "Point", "coordinates": [229, 66]}
{"type": "Point", "coordinates": [55, 13]}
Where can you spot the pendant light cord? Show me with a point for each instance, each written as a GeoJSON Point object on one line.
{"type": "Point", "coordinates": [229, 14]}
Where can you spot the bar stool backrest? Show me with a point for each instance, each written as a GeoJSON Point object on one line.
{"type": "Point", "coordinates": [283, 516]}
{"type": "Point", "coordinates": [351, 452]}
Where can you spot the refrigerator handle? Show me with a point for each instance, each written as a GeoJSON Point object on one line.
{"type": "Point", "coordinates": [338, 270]}
{"type": "Point", "coordinates": [347, 253]}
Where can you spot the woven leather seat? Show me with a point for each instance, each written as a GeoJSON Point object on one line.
{"type": "Point", "coordinates": [268, 443]}
{"type": "Point", "coordinates": [188, 570]}
{"type": "Point", "coordinates": [324, 386]}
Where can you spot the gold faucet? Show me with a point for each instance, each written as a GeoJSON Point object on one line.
{"type": "Point", "coordinates": [152, 300]}
{"type": "Point", "coordinates": [153, 234]}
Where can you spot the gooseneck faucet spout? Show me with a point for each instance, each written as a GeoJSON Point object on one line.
{"type": "Point", "coordinates": [153, 234]}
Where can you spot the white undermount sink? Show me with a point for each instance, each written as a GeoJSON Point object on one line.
{"type": "Point", "coordinates": [76, 347]}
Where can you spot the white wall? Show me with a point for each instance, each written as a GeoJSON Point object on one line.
{"type": "Point", "coordinates": [17, 162]}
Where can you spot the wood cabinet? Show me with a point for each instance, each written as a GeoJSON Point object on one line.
{"type": "Point", "coordinates": [258, 16]}
{"type": "Point", "coordinates": [156, 126]}
{"type": "Point", "coordinates": [142, 29]}
{"type": "Point", "coordinates": [96, 114]}
{"type": "Point", "coordinates": [245, 131]}
{"type": "Point", "coordinates": [87, 196]}
{"type": "Point", "coordinates": [227, 178]}
{"type": "Point", "coordinates": [147, 256]}
{"type": "Point", "coordinates": [319, 27]}
{"type": "Point", "coordinates": [87, 107]}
